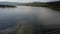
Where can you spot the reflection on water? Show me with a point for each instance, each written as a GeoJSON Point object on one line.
{"type": "Point", "coordinates": [29, 17]}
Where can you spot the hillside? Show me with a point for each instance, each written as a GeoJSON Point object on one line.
{"type": "Point", "coordinates": [55, 4]}
{"type": "Point", "coordinates": [9, 3]}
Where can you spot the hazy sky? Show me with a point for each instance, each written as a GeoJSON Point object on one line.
{"type": "Point", "coordinates": [28, 0]}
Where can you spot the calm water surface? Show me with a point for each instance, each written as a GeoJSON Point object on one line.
{"type": "Point", "coordinates": [27, 15]}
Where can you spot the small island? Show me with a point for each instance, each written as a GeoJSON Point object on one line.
{"type": "Point", "coordinates": [7, 6]}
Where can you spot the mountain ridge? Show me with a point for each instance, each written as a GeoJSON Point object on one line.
{"type": "Point", "coordinates": [9, 3]}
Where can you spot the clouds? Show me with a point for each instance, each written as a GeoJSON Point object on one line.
{"type": "Point", "coordinates": [18, 0]}
{"type": "Point", "coordinates": [48, 0]}
{"type": "Point", "coordinates": [9, 0]}
{"type": "Point", "coordinates": [29, 0]}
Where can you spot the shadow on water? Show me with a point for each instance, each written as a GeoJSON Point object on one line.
{"type": "Point", "coordinates": [57, 9]}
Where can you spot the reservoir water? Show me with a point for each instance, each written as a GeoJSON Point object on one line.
{"type": "Point", "coordinates": [29, 16]}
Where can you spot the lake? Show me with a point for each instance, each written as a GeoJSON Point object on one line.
{"type": "Point", "coordinates": [29, 17]}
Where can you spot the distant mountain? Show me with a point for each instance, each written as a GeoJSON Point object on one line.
{"type": "Point", "coordinates": [54, 2]}
{"type": "Point", "coordinates": [9, 3]}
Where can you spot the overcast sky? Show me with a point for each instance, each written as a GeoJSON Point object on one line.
{"type": "Point", "coordinates": [28, 0]}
